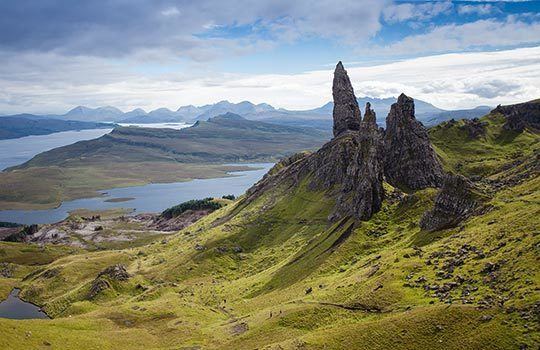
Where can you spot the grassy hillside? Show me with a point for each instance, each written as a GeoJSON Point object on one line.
{"type": "Point", "coordinates": [486, 154]}
{"type": "Point", "coordinates": [274, 274]}
{"type": "Point", "coordinates": [136, 156]}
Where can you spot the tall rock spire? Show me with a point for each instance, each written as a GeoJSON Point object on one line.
{"type": "Point", "coordinates": [346, 112]}
{"type": "Point", "coordinates": [370, 119]}
{"type": "Point", "coordinates": [410, 161]}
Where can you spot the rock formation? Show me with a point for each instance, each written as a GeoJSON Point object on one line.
{"type": "Point", "coordinates": [520, 116]}
{"type": "Point", "coordinates": [474, 127]}
{"type": "Point", "coordinates": [349, 167]}
{"type": "Point", "coordinates": [116, 272]}
{"type": "Point", "coordinates": [346, 112]}
{"type": "Point", "coordinates": [370, 119]}
{"type": "Point", "coordinates": [454, 203]}
{"type": "Point", "coordinates": [410, 161]}
{"type": "Point", "coordinates": [102, 281]}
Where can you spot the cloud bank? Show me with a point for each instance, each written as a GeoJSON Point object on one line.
{"type": "Point", "coordinates": [448, 81]}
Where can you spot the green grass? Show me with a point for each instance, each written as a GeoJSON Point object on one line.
{"type": "Point", "coordinates": [486, 154]}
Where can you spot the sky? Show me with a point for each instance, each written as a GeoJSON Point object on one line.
{"type": "Point", "coordinates": [57, 54]}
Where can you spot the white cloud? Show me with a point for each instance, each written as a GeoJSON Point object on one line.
{"type": "Point", "coordinates": [170, 11]}
{"type": "Point", "coordinates": [456, 37]}
{"type": "Point", "coordinates": [419, 11]}
{"type": "Point", "coordinates": [481, 10]}
{"type": "Point", "coordinates": [50, 83]}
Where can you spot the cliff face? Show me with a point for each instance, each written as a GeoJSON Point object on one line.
{"type": "Point", "coordinates": [521, 116]}
{"type": "Point", "coordinates": [410, 161]}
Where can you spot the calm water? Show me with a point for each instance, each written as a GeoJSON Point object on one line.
{"type": "Point", "coordinates": [148, 198]}
{"type": "Point", "coordinates": [15, 308]}
{"type": "Point", "coordinates": [16, 151]}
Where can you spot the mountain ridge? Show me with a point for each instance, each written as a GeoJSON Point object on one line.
{"type": "Point", "coordinates": [321, 116]}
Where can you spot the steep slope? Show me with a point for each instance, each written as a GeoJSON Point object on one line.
{"type": "Point", "coordinates": [274, 270]}
{"type": "Point", "coordinates": [481, 148]}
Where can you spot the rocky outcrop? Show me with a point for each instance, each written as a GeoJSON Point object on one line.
{"type": "Point", "coordinates": [22, 234]}
{"type": "Point", "coordinates": [410, 161]}
{"type": "Point", "coordinates": [103, 280]}
{"type": "Point", "coordinates": [475, 128]}
{"type": "Point", "coordinates": [349, 167]}
{"type": "Point", "coordinates": [520, 116]}
{"type": "Point", "coordinates": [346, 112]}
{"type": "Point", "coordinates": [455, 202]}
{"type": "Point", "coordinates": [98, 285]}
{"type": "Point", "coordinates": [116, 272]}
{"type": "Point", "coordinates": [338, 169]}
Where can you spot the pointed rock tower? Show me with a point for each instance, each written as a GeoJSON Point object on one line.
{"type": "Point", "coordinates": [370, 119]}
{"type": "Point", "coordinates": [346, 112]}
{"type": "Point", "coordinates": [410, 161]}
{"type": "Point", "coordinates": [349, 168]}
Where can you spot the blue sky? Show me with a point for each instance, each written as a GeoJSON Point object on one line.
{"type": "Point", "coordinates": [167, 53]}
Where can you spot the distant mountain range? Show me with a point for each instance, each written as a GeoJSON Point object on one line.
{"type": "Point", "coordinates": [319, 117]}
